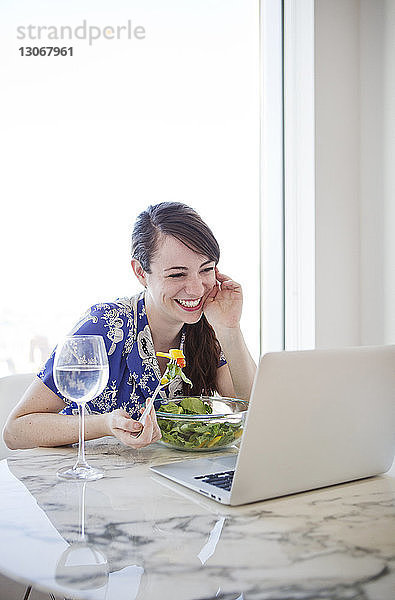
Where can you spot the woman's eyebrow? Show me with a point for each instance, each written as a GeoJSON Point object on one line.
{"type": "Point", "coordinates": [207, 262]}
{"type": "Point", "coordinates": [178, 268]}
{"type": "Point", "coordinates": [186, 268]}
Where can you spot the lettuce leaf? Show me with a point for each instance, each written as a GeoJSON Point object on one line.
{"type": "Point", "coordinates": [195, 406]}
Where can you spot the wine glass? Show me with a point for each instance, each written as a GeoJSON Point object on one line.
{"type": "Point", "coordinates": [80, 373]}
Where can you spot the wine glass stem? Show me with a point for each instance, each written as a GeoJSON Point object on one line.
{"type": "Point", "coordinates": [81, 462]}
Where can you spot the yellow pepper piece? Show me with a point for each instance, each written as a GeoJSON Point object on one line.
{"type": "Point", "coordinates": [164, 380]}
{"type": "Point", "coordinates": [214, 441]}
{"type": "Point", "coordinates": [176, 353]}
{"type": "Point", "coordinates": [202, 444]}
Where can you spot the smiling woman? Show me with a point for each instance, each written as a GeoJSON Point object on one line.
{"type": "Point", "coordinates": [174, 257]}
{"type": "Point", "coordinates": [186, 303]}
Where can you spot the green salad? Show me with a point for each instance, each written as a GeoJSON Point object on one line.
{"type": "Point", "coordinates": [195, 435]}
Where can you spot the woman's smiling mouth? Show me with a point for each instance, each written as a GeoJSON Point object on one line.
{"type": "Point", "coordinates": [189, 304]}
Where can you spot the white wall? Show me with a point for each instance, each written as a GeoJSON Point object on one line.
{"type": "Point", "coordinates": [377, 69]}
{"type": "Point", "coordinates": [389, 171]}
{"type": "Point", "coordinates": [355, 185]}
{"type": "Point", "coordinates": [337, 172]}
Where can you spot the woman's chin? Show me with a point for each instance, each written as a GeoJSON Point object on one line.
{"type": "Point", "coordinates": [190, 317]}
{"type": "Point", "coordinates": [196, 318]}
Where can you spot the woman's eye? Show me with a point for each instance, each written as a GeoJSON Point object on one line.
{"type": "Point", "coordinates": [207, 270]}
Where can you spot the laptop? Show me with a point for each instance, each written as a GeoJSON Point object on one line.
{"type": "Point", "coordinates": [316, 418]}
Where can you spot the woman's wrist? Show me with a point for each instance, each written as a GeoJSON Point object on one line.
{"type": "Point", "coordinates": [241, 364]}
{"type": "Point", "coordinates": [105, 424]}
{"type": "Point", "coordinates": [97, 426]}
{"type": "Point", "coordinates": [228, 334]}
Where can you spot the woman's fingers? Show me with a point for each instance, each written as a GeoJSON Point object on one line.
{"type": "Point", "coordinates": [221, 277]}
{"type": "Point", "coordinates": [129, 425]}
{"type": "Point", "coordinates": [151, 432]}
{"type": "Point", "coordinates": [148, 429]}
{"type": "Point", "coordinates": [156, 432]}
{"type": "Point", "coordinates": [138, 436]}
{"type": "Point", "coordinates": [139, 440]}
{"type": "Point", "coordinates": [119, 419]}
{"type": "Point", "coordinates": [213, 292]}
{"type": "Point", "coordinates": [131, 432]}
{"type": "Point", "coordinates": [226, 281]}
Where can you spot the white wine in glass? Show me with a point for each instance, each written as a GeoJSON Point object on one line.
{"type": "Point", "coordinates": [80, 373]}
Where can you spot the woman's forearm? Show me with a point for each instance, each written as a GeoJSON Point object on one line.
{"type": "Point", "coordinates": [241, 364]}
{"type": "Point", "coordinates": [49, 429]}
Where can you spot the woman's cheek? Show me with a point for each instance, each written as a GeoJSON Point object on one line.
{"type": "Point", "coordinates": [213, 281]}
{"type": "Point", "coordinates": [173, 287]}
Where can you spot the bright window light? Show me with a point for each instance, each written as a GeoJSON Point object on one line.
{"type": "Point", "coordinates": [89, 140]}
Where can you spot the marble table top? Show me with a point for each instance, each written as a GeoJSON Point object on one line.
{"type": "Point", "coordinates": [146, 537]}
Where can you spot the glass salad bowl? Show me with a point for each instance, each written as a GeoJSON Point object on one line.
{"type": "Point", "coordinates": [201, 424]}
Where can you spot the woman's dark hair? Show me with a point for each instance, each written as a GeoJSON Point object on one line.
{"type": "Point", "coordinates": [201, 347]}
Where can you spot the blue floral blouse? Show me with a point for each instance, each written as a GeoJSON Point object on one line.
{"type": "Point", "coordinates": [134, 372]}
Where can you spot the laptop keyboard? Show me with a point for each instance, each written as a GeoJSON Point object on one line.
{"type": "Point", "coordinates": [221, 480]}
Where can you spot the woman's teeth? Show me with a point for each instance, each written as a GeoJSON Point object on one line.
{"type": "Point", "coordinates": [189, 303]}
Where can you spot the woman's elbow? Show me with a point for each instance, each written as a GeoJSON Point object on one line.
{"type": "Point", "coordinates": [10, 437]}
{"type": "Point", "coordinates": [9, 440]}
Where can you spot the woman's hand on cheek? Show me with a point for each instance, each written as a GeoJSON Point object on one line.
{"type": "Point", "coordinates": [132, 433]}
{"type": "Point", "coordinates": [224, 304]}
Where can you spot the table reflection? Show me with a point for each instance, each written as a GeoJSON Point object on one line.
{"type": "Point", "coordinates": [82, 566]}
{"type": "Point", "coordinates": [110, 545]}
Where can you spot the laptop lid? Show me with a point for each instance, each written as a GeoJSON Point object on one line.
{"type": "Point", "coordinates": [317, 418]}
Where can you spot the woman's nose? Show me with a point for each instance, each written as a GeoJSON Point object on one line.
{"type": "Point", "coordinates": [194, 287]}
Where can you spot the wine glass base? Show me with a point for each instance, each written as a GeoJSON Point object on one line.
{"type": "Point", "coordinates": [80, 473]}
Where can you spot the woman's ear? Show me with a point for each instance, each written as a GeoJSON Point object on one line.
{"type": "Point", "coordinates": [139, 272]}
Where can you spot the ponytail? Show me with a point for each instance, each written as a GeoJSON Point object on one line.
{"type": "Point", "coordinates": [202, 353]}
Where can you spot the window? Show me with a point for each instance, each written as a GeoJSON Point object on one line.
{"type": "Point", "coordinates": [89, 140]}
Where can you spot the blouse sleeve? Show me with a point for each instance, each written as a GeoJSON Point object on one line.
{"type": "Point", "coordinates": [222, 360]}
{"type": "Point", "coordinates": [100, 319]}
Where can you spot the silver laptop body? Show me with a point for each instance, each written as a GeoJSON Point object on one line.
{"type": "Point", "coordinates": [316, 418]}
